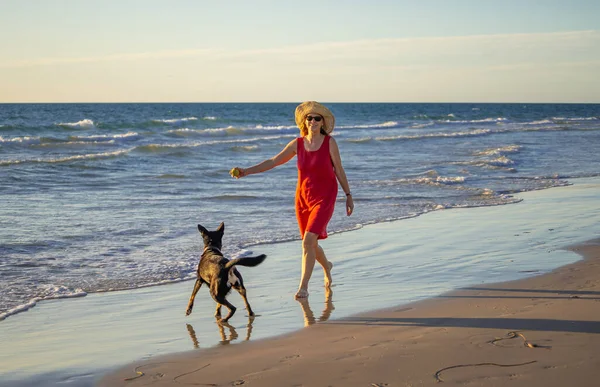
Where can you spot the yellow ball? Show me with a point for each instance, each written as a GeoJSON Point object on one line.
{"type": "Point", "coordinates": [234, 172]}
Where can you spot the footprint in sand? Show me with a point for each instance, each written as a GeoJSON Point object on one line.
{"type": "Point", "coordinates": [288, 358]}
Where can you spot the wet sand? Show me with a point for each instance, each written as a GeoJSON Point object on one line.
{"type": "Point", "coordinates": [540, 331]}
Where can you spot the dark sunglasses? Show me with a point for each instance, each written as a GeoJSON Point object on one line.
{"type": "Point", "coordinates": [316, 118]}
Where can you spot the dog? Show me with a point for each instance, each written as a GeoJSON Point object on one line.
{"type": "Point", "coordinates": [220, 274]}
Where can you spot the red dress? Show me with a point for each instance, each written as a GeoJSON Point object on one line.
{"type": "Point", "coordinates": [316, 190]}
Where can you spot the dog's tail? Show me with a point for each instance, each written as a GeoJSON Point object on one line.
{"type": "Point", "coordinates": [246, 261]}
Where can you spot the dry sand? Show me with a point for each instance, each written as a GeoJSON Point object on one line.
{"type": "Point", "coordinates": [541, 331]}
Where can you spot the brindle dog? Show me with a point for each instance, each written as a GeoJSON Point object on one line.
{"type": "Point", "coordinates": [220, 273]}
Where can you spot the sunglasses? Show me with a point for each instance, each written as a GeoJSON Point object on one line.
{"type": "Point", "coordinates": [316, 118]}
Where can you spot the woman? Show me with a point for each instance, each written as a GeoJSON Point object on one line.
{"type": "Point", "coordinates": [319, 164]}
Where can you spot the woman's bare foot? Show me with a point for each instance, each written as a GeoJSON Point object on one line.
{"type": "Point", "coordinates": [328, 274]}
{"type": "Point", "coordinates": [301, 293]}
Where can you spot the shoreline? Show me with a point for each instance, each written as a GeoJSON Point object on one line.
{"type": "Point", "coordinates": [501, 333]}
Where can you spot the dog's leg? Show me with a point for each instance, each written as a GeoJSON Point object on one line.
{"type": "Point", "coordinates": [193, 296]}
{"type": "Point", "coordinates": [214, 291]}
{"type": "Point", "coordinates": [221, 300]}
{"type": "Point", "coordinates": [242, 290]}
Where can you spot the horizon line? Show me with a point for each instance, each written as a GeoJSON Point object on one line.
{"type": "Point", "coordinates": [299, 101]}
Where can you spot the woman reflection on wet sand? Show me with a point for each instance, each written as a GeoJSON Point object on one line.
{"type": "Point", "coordinates": [309, 316]}
{"type": "Point", "coordinates": [225, 338]}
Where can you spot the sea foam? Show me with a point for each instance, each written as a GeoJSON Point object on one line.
{"type": "Point", "coordinates": [85, 123]}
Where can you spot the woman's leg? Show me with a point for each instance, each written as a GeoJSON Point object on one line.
{"type": "Point", "coordinates": [327, 265]}
{"type": "Point", "coordinates": [309, 256]}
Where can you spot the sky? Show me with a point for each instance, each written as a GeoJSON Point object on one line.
{"type": "Point", "coordinates": [289, 51]}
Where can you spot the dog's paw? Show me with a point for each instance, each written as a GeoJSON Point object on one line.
{"type": "Point", "coordinates": [188, 312]}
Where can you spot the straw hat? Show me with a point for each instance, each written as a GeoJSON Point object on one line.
{"type": "Point", "coordinates": [316, 108]}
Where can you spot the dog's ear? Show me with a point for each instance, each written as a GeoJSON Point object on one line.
{"type": "Point", "coordinates": [202, 229]}
{"type": "Point", "coordinates": [221, 227]}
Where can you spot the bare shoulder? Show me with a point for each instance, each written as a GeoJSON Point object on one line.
{"type": "Point", "coordinates": [293, 145]}
{"type": "Point", "coordinates": [333, 146]}
{"type": "Point", "coordinates": [287, 153]}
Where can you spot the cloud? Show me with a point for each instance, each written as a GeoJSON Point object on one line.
{"type": "Point", "coordinates": [109, 58]}
{"type": "Point", "coordinates": [454, 50]}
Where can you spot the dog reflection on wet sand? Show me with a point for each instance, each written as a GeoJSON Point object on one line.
{"type": "Point", "coordinates": [231, 333]}
{"type": "Point", "coordinates": [192, 334]}
{"type": "Point", "coordinates": [309, 316]}
{"type": "Point", "coordinates": [225, 339]}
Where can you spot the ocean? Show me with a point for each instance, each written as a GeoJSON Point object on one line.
{"type": "Point", "coordinates": [105, 197]}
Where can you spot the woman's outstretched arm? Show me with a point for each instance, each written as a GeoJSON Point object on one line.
{"type": "Point", "coordinates": [283, 157]}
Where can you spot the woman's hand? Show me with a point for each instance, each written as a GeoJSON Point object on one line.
{"type": "Point", "coordinates": [237, 172]}
{"type": "Point", "coordinates": [349, 205]}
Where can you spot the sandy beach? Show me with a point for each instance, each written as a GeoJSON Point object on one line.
{"type": "Point", "coordinates": [537, 331]}
{"type": "Point", "coordinates": [541, 331]}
